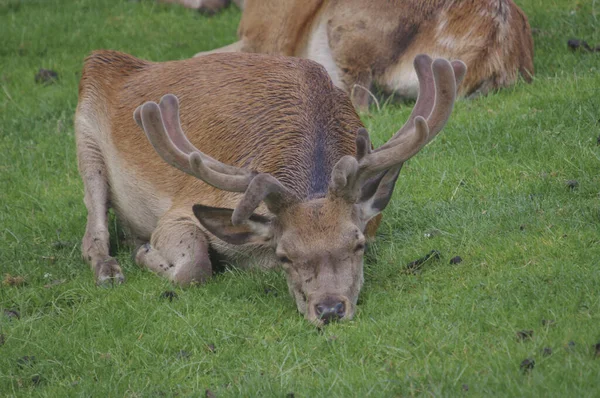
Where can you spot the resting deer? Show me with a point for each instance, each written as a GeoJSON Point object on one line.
{"type": "Point", "coordinates": [367, 43]}
{"type": "Point", "coordinates": [274, 168]}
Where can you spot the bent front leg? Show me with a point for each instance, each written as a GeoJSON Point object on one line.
{"type": "Point", "coordinates": [178, 250]}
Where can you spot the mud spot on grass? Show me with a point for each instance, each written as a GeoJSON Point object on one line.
{"type": "Point", "coordinates": [10, 280]}
{"type": "Point", "coordinates": [416, 265]}
{"type": "Point", "coordinates": [524, 335]}
{"type": "Point", "coordinates": [169, 295]}
{"type": "Point", "coordinates": [290, 395]}
{"type": "Point", "coordinates": [527, 365]}
{"type": "Point", "coordinates": [36, 380]}
{"type": "Point", "coordinates": [547, 351]}
{"type": "Point", "coordinates": [581, 45]}
{"type": "Point", "coordinates": [12, 314]}
{"type": "Point", "coordinates": [465, 387]}
{"type": "Point", "coordinates": [211, 348]}
{"type": "Point", "coordinates": [572, 184]}
{"type": "Point", "coordinates": [596, 348]}
{"type": "Point", "coordinates": [209, 394]}
{"type": "Point", "coordinates": [548, 322]}
{"type": "Point", "coordinates": [456, 260]}
{"type": "Point", "coordinates": [46, 76]}
{"type": "Point", "coordinates": [269, 291]}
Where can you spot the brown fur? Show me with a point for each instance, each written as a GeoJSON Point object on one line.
{"type": "Point", "coordinates": [275, 128]}
{"type": "Point", "coordinates": [270, 114]}
{"type": "Point", "coordinates": [368, 42]}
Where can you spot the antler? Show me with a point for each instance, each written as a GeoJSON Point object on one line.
{"type": "Point", "coordinates": [438, 81]}
{"type": "Point", "coordinates": [162, 126]}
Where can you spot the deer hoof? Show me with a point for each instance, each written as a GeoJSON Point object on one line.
{"type": "Point", "coordinates": [108, 273]}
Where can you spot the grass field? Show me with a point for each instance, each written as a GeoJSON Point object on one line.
{"type": "Point", "coordinates": [491, 189]}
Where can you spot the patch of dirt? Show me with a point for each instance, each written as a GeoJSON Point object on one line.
{"type": "Point", "coordinates": [169, 295]}
{"type": "Point", "coordinates": [416, 265]}
{"type": "Point", "coordinates": [548, 322]}
{"type": "Point", "coordinates": [12, 314]}
{"type": "Point", "coordinates": [527, 365]}
{"type": "Point", "coordinates": [10, 280]}
{"type": "Point", "coordinates": [209, 394]}
{"type": "Point", "coordinates": [465, 387]}
{"type": "Point", "coordinates": [46, 76]}
{"type": "Point", "coordinates": [581, 45]}
{"type": "Point", "coordinates": [524, 335]}
{"type": "Point", "coordinates": [211, 348]}
{"type": "Point", "coordinates": [456, 260]}
{"type": "Point", "coordinates": [572, 184]}
{"type": "Point", "coordinates": [547, 351]}
{"type": "Point", "coordinates": [36, 380]}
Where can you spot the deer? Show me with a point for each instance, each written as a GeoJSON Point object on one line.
{"type": "Point", "coordinates": [260, 159]}
{"type": "Point", "coordinates": [368, 46]}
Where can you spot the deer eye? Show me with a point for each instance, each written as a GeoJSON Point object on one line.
{"type": "Point", "coordinates": [359, 247]}
{"type": "Point", "coordinates": [284, 259]}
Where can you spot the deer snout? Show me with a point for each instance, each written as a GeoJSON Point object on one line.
{"type": "Point", "coordinates": [330, 309]}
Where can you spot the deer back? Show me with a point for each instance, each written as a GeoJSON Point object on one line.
{"type": "Point", "coordinates": [275, 115]}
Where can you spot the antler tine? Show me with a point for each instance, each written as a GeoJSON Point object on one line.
{"type": "Point", "coordinates": [150, 119]}
{"type": "Point", "coordinates": [425, 98]}
{"type": "Point", "coordinates": [263, 187]}
{"type": "Point", "coordinates": [445, 94]}
{"type": "Point", "coordinates": [438, 81]}
{"type": "Point", "coordinates": [460, 70]}
{"type": "Point", "coordinates": [363, 144]}
{"type": "Point", "coordinates": [408, 141]}
{"type": "Point", "coordinates": [405, 147]}
{"type": "Point", "coordinates": [196, 164]}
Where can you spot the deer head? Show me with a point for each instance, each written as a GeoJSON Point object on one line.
{"type": "Point", "coordinates": [318, 242]}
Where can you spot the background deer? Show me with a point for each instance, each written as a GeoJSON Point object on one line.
{"type": "Point", "coordinates": [285, 174]}
{"type": "Point", "coordinates": [366, 43]}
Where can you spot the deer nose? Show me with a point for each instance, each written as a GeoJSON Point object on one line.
{"type": "Point", "coordinates": [330, 310]}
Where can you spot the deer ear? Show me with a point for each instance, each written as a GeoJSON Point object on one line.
{"type": "Point", "coordinates": [217, 220]}
{"type": "Point", "coordinates": [375, 194]}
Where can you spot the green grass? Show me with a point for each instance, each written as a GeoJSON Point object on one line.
{"type": "Point", "coordinates": [493, 185]}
